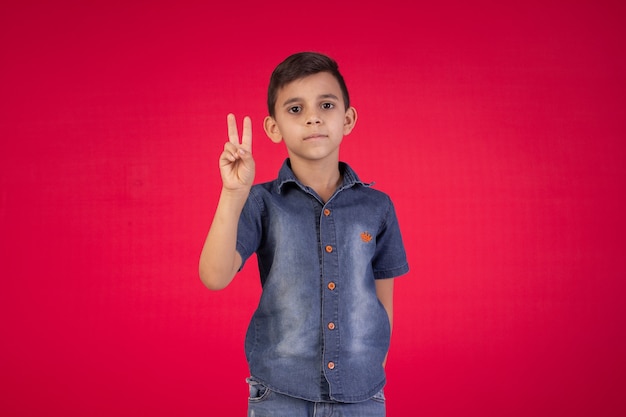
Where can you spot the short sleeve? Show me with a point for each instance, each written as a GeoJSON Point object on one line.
{"type": "Point", "coordinates": [390, 259]}
{"type": "Point", "coordinates": [249, 229]}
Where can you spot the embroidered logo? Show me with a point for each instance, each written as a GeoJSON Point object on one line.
{"type": "Point", "coordinates": [366, 237]}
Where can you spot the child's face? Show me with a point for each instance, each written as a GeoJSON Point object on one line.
{"type": "Point", "coordinates": [311, 118]}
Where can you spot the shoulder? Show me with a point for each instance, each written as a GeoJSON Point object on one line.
{"type": "Point", "coordinates": [370, 196]}
{"type": "Point", "coordinates": [264, 189]}
{"type": "Point", "coordinates": [263, 194]}
{"type": "Point", "coordinates": [351, 179]}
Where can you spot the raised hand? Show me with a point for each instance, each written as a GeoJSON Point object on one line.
{"type": "Point", "coordinates": [219, 260]}
{"type": "Point", "coordinates": [236, 162]}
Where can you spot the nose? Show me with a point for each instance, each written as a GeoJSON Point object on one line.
{"type": "Point", "coordinates": [313, 118]}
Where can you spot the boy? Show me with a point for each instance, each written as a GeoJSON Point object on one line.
{"type": "Point", "coordinates": [327, 247]}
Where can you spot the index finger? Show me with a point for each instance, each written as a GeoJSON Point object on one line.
{"type": "Point", "coordinates": [246, 137]}
{"type": "Point", "coordinates": [233, 134]}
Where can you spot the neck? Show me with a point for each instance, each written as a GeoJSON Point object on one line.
{"type": "Point", "coordinates": [323, 178]}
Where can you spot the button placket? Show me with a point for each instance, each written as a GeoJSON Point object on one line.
{"type": "Point", "coordinates": [330, 306]}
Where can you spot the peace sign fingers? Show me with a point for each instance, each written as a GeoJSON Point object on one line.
{"type": "Point", "coordinates": [233, 133]}
{"type": "Point", "coordinates": [236, 162]}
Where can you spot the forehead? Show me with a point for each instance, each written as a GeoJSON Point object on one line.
{"type": "Point", "coordinates": [310, 87]}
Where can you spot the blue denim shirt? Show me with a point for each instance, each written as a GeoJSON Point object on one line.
{"type": "Point", "coordinates": [320, 333]}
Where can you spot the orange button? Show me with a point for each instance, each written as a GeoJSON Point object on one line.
{"type": "Point", "coordinates": [329, 249]}
{"type": "Point", "coordinates": [326, 212]}
{"type": "Point", "coordinates": [331, 365]}
{"type": "Point", "coordinates": [331, 326]}
{"type": "Point", "coordinates": [331, 286]}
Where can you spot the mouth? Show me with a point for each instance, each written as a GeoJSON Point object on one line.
{"type": "Point", "coordinates": [316, 136]}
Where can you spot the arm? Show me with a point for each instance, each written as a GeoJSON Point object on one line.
{"type": "Point", "coordinates": [384, 292]}
{"type": "Point", "coordinates": [219, 260]}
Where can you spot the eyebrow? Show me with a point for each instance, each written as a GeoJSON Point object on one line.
{"type": "Point", "coordinates": [320, 97]}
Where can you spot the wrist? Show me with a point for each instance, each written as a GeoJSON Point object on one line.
{"type": "Point", "coordinates": [235, 193]}
{"type": "Point", "coordinates": [234, 199]}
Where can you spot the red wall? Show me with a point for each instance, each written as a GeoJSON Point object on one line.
{"type": "Point", "coordinates": [498, 130]}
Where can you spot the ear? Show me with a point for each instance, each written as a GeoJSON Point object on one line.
{"type": "Point", "coordinates": [350, 120]}
{"type": "Point", "coordinates": [271, 129]}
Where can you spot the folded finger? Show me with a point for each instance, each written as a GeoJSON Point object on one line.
{"type": "Point", "coordinates": [231, 151]}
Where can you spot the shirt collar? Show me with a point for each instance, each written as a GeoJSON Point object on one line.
{"type": "Point", "coordinates": [286, 176]}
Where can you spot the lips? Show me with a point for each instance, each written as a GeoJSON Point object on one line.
{"type": "Point", "coordinates": [316, 136]}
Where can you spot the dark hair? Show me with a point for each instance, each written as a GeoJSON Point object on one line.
{"type": "Point", "coordinates": [301, 65]}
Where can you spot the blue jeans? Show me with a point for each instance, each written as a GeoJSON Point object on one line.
{"type": "Point", "coordinates": [264, 402]}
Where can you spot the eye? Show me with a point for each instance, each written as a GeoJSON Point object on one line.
{"type": "Point", "coordinates": [327, 106]}
{"type": "Point", "coordinates": [294, 109]}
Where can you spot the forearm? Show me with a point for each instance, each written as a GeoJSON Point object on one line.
{"type": "Point", "coordinates": [219, 260]}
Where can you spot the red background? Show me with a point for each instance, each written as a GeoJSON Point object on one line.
{"type": "Point", "coordinates": [497, 129]}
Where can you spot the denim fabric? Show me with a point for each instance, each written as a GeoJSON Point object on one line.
{"type": "Point", "coordinates": [320, 333]}
{"type": "Point", "coordinates": [263, 402]}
